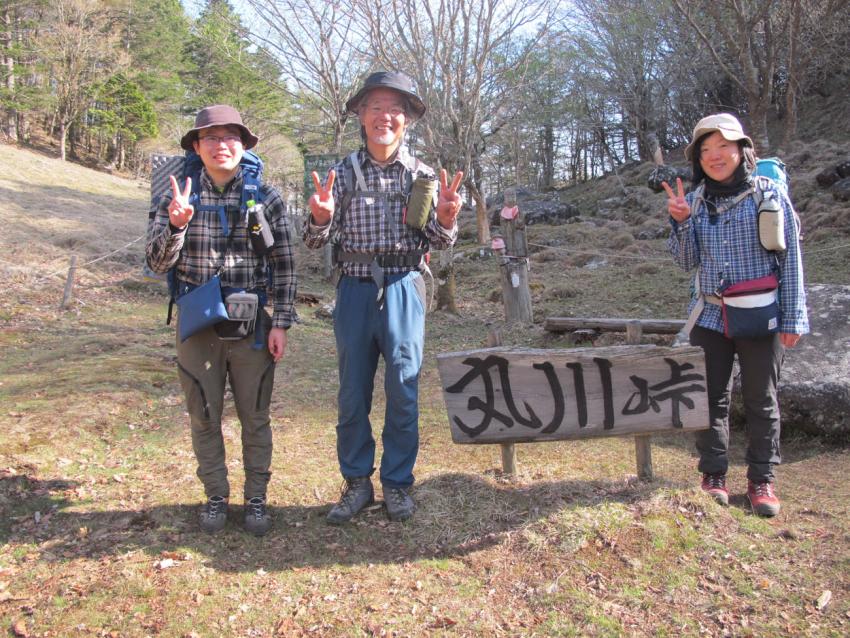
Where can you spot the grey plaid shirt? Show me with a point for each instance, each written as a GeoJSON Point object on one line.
{"type": "Point", "coordinates": [200, 249]}
{"type": "Point", "coordinates": [374, 225]}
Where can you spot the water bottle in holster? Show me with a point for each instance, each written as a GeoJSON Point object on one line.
{"type": "Point", "coordinates": [261, 235]}
{"type": "Point", "coordinates": [771, 224]}
{"type": "Point", "coordinates": [419, 204]}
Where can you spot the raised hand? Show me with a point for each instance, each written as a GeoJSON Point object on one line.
{"type": "Point", "coordinates": [322, 201]}
{"type": "Point", "coordinates": [180, 211]}
{"type": "Point", "coordinates": [677, 206]}
{"type": "Point", "coordinates": [449, 201]}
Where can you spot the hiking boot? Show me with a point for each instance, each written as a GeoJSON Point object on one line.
{"type": "Point", "coordinates": [715, 485]}
{"type": "Point", "coordinates": [358, 493]}
{"type": "Point", "coordinates": [214, 514]}
{"type": "Point", "coordinates": [399, 505]}
{"type": "Point", "coordinates": [257, 519]}
{"type": "Point", "coordinates": [762, 498]}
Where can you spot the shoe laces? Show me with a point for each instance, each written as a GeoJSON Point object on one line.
{"type": "Point", "coordinates": [397, 495]}
{"type": "Point", "coordinates": [348, 492]}
{"type": "Point", "coordinates": [214, 505]}
{"type": "Point", "coordinates": [715, 481]}
{"type": "Point", "coordinates": [257, 507]}
{"type": "Point", "coordinates": [763, 489]}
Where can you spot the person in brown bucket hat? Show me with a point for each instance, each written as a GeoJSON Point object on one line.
{"type": "Point", "coordinates": [219, 115]}
{"type": "Point", "coordinates": [205, 230]}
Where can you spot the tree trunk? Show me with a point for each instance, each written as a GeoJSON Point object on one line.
{"type": "Point", "coordinates": [8, 62]}
{"type": "Point", "coordinates": [793, 74]}
{"type": "Point", "coordinates": [446, 282]}
{"type": "Point", "coordinates": [482, 224]}
{"type": "Point", "coordinates": [548, 151]}
{"type": "Point", "coordinates": [63, 133]}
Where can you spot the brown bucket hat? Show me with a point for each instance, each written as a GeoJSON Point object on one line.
{"type": "Point", "coordinates": [219, 115]}
{"type": "Point", "coordinates": [389, 80]}
{"type": "Point", "coordinates": [727, 124]}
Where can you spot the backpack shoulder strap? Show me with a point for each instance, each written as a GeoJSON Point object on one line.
{"type": "Point", "coordinates": [252, 179]}
{"type": "Point", "coordinates": [763, 188]}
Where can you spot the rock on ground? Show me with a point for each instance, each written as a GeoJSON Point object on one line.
{"type": "Point", "coordinates": [814, 389]}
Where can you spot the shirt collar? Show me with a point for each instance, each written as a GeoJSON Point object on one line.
{"type": "Point", "coordinates": [207, 183]}
{"type": "Point", "coordinates": [402, 156]}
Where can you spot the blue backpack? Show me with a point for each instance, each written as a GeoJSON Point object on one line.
{"type": "Point", "coordinates": [771, 177]}
{"type": "Point", "coordinates": [774, 168]}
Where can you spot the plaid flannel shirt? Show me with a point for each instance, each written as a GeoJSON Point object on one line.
{"type": "Point", "coordinates": [726, 247]}
{"type": "Point", "coordinates": [200, 249]}
{"type": "Point", "coordinates": [375, 225]}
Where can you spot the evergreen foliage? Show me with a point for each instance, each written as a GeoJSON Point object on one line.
{"type": "Point", "coordinates": [604, 83]}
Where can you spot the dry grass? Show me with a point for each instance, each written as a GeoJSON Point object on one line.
{"type": "Point", "coordinates": [98, 492]}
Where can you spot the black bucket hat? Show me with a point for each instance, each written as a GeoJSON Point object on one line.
{"type": "Point", "coordinates": [219, 115]}
{"type": "Point", "coordinates": [389, 80]}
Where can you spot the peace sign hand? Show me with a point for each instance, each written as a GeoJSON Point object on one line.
{"type": "Point", "coordinates": [180, 211]}
{"type": "Point", "coordinates": [449, 201]}
{"type": "Point", "coordinates": [677, 206]}
{"type": "Point", "coordinates": [322, 201]}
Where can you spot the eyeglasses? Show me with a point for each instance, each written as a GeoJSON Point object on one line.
{"type": "Point", "coordinates": [376, 109]}
{"type": "Point", "coordinates": [215, 140]}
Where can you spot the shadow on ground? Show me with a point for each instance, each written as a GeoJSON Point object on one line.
{"type": "Point", "coordinates": [457, 514]}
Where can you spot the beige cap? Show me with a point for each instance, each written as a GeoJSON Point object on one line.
{"type": "Point", "coordinates": [727, 124]}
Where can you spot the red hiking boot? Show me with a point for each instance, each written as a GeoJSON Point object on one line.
{"type": "Point", "coordinates": [715, 485]}
{"type": "Point", "coordinates": [763, 499]}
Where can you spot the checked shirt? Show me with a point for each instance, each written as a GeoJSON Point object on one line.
{"type": "Point", "coordinates": [726, 246]}
{"type": "Point", "coordinates": [375, 225]}
{"type": "Point", "coordinates": [200, 249]}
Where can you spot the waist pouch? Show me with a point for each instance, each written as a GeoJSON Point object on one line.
{"type": "Point", "coordinates": [201, 308]}
{"type": "Point", "coordinates": [242, 309]}
{"type": "Point", "coordinates": [750, 308]}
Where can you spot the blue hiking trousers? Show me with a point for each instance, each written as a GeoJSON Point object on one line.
{"type": "Point", "coordinates": [363, 331]}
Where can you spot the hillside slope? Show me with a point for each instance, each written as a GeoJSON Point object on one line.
{"type": "Point", "coordinates": [52, 210]}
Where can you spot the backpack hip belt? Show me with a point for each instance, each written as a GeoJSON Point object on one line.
{"type": "Point", "coordinates": [384, 261]}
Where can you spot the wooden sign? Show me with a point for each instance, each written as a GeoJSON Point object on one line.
{"type": "Point", "coordinates": [511, 395]}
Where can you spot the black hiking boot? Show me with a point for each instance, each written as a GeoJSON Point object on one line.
{"type": "Point", "coordinates": [400, 506]}
{"type": "Point", "coordinates": [214, 514]}
{"type": "Point", "coordinates": [257, 519]}
{"type": "Point", "coordinates": [357, 494]}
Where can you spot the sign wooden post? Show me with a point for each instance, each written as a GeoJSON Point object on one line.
{"type": "Point", "coordinates": [494, 339]}
{"type": "Point", "coordinates": [512, 395]}
{"type": "Point", "coordinates": [516, 295]}
{"type": "Point", "coordinates": [643, 446]}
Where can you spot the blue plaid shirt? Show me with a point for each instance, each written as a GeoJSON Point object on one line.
{"type": "Point", "coordinates": [726, 247]}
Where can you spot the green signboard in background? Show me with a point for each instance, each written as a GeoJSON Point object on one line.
{"type": "Point", "coordinates": [319, 163]}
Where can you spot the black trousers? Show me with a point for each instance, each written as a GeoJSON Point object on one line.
{"type": "Point", "coordinates": [760, 361]}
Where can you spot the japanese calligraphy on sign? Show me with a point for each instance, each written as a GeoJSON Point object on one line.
{"type": "Point", "coordinates": [503, 395]}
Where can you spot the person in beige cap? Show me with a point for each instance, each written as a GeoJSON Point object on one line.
{"type": "Point", "coordinates": [715, 229]}
{"type": "Point", "coordinates": [201, 231]}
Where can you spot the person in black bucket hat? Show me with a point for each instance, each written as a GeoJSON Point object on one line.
{"type": "Point", "coordinates": [381, 209]}
{"type": "Point", "coordinates": [203, 230]}
{"type": "Point", "coordinates": [389, 80]}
